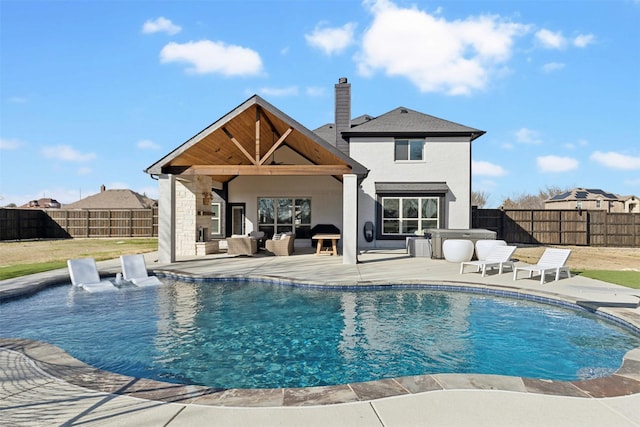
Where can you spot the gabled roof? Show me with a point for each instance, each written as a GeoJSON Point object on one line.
{"type": "Point", "coordinates": [400, 122]}
{"type": "Point", "coordinates": [406, 122]}
{"type": "Point", "coordinates": [243, 140]}
{"type": "Point", "coordinates": [114, 199]}
{"type": "Point", "coordinates": [583, 194]}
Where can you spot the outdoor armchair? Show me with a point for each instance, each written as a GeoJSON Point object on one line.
{"type": "Point", "coordinates": [283, 246]}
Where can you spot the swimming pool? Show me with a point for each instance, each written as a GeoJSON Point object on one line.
{"type": "Point", "coordinates": [259, 335]}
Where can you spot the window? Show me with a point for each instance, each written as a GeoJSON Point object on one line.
{"type": "Point", "coordinates": [215, 218]}
{"type": "Point", "coordinates": [280, 215]}
{"type": "Point", "coordinates": [409, 149]}
{"type": "Point", "coordinates": [405, 215]}
{"type": "Point", "coordinates": [598, 203]}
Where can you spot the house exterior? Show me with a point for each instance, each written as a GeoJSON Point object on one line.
{"type": "Point", "coordinates": [43, 203]}
{"type": "Point", "coordinates": [593, 199]}
{"type": "Point", "coordinates": [113, 199]}
{"type": "Point", "coordinates": [256, 168]}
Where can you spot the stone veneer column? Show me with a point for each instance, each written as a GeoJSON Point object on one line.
{"type": "Point", "coordinates": [349, 219]}
{"type": "Point", "coordinates": [167, 219]}
{"type": "Point", "coordinates": [191, 212]}
{"type": "Point", "coordinates": [186, 217]}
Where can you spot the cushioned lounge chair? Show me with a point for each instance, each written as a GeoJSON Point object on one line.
{"type": "Point", "coordinates": [84, 274]}
{"type": "Point", "coordinates": [500, 256]}
{"type": "Point", "coordinates": [552, 260]}
{"type": "Point", "coordinates": [284, 246]}
{"type": "Point", "coordinates": [134, 269]}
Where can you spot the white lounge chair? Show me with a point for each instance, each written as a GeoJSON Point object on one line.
{"type": "Point", "coordinates": [84, 274]}
{"type": "Point", "coordinates": [134, 270]}
{"type": "Point", "coordinates": [499, 256]}
{"type": "Point", "coordinates": [552, 260]}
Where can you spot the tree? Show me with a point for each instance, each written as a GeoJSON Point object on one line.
{"type": "Point", "coordinates": [479, 198]}
{"type": "Point", "coordinates": [532, 201]}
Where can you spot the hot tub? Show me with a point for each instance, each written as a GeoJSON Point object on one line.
{"type": "Point", "coordinates": [439, 235]}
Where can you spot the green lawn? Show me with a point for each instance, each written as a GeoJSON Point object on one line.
{"type": "Point", "coordinates": [11, 271]}
{"type": "Point", "coordinates": [630, 279]}
{"type": "Point", "coordinates": [28, 257]}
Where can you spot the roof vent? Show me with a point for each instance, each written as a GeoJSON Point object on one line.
{"type": "Point", "coordinates": [404, 111]}
{"type": "Point", "coordinates": [342, 80]}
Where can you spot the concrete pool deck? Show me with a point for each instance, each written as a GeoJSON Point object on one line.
{"type": "Point", "coordinates": [41, 385]}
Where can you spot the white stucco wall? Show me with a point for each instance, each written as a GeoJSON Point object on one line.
{"type": "Point", "coordinates": [325, 193]}
{"type": "Point", "coordinates": [445, 160]}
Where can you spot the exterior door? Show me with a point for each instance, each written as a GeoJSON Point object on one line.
{"type": "Point", "coordinates": [237, 218]}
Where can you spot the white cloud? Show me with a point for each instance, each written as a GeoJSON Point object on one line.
{"type": "Point", "coordinates": [487, 168]}
{"type": "Point", "coordinates": [206, 56]}
{"type": "Point", "coordinates": [315, 91]}
{"type": "Point", "coordinates": [455, 57]}
{"type": "Point", "coordinates": [551, 40]}
{"type": "Point", "coordinates": [10, 144]}
{"type": "Point", "coordinates": [67, 153]}
{"type": "Point", "coordinates": [527, 136]}
{"type": "Point", "coordinates": [556, 40]}
{"type": "Point", "coordinates": [556, 164]}
{"type": "Point", "coordinates": [147, 144]}
{"type": "Point", "coordinates": [160, 25]}
{"type": "Point", "coordinates": [615, 160]}
{"type": "Point", "coordinates": [282, 91]}
{"type": "Point", "coordinates": [331, 40]}
{"type": "Point", "coordinates": [552, 66]}
{"type": "Point", "coordinates": [583, 40]}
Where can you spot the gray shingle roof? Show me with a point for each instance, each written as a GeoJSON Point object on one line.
{"type": "Point", "coordinates": [113, 199]}
{"type": "Point", "coordinates": [398, 122]}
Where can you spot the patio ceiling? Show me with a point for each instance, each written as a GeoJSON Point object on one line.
{"type": "Point", "coordinates": [243, 143]}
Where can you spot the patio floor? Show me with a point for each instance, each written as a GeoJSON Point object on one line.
{"type": "Point", "coordinates": [41, 385]}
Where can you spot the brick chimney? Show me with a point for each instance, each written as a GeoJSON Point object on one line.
{"type": "Point", "coordinates": [103, 188]}
{"type": "Point", "coordinates": [343, 113]}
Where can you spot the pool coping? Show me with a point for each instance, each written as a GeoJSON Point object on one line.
{"type": "Point", "coordinates": [57, 363]}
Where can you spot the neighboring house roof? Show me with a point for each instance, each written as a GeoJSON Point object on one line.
{"type": "Point", "coordinates": [584, 194]}
{"type": "Point", "coordinates": [43, 203]}
{"type": "Point", "coordinates": [114, 199]}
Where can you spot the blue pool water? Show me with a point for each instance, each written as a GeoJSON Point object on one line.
{"type": "Point", "coordinates": [257, 335]}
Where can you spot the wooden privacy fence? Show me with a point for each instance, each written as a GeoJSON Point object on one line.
{"type": "Point", "coordinates": [21, 224]}
{"type": "Point", "coordinates": [561, 227]}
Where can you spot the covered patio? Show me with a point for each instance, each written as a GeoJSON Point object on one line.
{"type": "Point", "coordinates": [254, 153]}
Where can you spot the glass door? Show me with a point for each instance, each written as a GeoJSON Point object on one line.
{"type": "Point", "coordinates": [237, 219]}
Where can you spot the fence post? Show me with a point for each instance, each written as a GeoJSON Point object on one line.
{"type": "Point", "coordinates": [605, 226]}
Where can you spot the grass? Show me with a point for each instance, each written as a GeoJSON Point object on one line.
{"type": "Point", "coordinates": [29, 257]}
{"type": "Point", "coordinates": [11, 271]}
{"type": "Point", "coordinates": [630, 279]}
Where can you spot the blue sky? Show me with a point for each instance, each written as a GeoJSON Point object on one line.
{"type": "Point", "coordinates": [93, 92]}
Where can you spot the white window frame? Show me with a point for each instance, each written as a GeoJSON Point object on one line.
{"type": "Point", "coordinates": [410, 143]}
{"type": "Point", "coordinates": [216, 209]}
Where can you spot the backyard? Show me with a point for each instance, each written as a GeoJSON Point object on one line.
{"type": "Point", "coordinates": [616, 265]}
